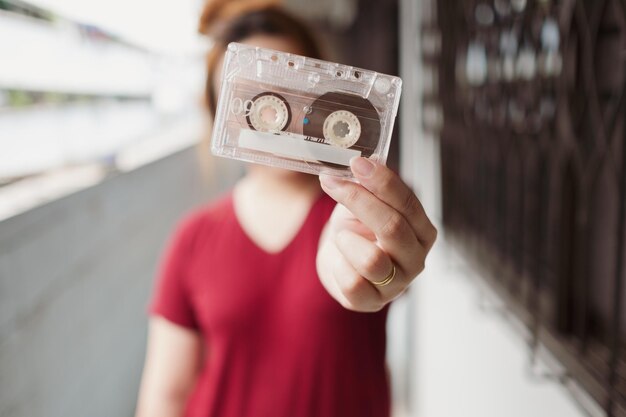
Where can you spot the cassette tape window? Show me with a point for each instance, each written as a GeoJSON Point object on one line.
{"type": "Point", "coordinates": [246, 319]}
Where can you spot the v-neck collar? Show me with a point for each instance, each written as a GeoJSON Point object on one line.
{"type": "Point", "coordinates": [291, 242]}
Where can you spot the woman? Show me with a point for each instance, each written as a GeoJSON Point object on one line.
{"type": "Point", "coordinates": [271, 301]}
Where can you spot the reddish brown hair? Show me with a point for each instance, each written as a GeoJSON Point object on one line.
{"type": "Point", "coordinates": [232, 21]}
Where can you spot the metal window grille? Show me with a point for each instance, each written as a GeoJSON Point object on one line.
{"type": "Point", "coordinates": [531, 98]}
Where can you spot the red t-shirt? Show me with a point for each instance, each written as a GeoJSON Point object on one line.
{"type": "Point", "coordinates": [277, 344]}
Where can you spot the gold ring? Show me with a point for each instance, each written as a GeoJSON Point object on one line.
{"type": "Point", "coordinates": [387, 279]}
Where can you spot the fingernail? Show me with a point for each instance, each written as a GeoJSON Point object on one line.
{"type": "Point", "coordinates": [330, 182]}
{"type": "Point", "coordinates": [363, 167]}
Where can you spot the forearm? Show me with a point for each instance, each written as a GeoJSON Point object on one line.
{"type": "Point", "coordinates": [172, 362]}
{"type": "Point", "coordinates": [161, 404]}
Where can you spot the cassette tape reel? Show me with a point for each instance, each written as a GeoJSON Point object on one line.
{"type": "Point", "coordinates": [299, 113]}
{"type": "Point", "coordinates": [269, 112]}
{"type": "Point", "coordinates": [344, 121]}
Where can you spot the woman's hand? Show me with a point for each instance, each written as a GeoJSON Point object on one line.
{"type": "Point", "coordinates": [376, 240]}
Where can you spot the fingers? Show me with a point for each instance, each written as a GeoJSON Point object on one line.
{"type": "Point", "coordinates": [392, 230]}
{"type": "Point", "coordinates": [341, 281]}
{"type": "Point", "coordinates": [365, 256]}
{"type": "Point", "coordinates": [378, 224]}
{"type": "Point", "coordinates": [356, 293]}
{"type": "Point", "coordinates": [389, 188]}
{"type": "Point", "coordinates": [370, 261]}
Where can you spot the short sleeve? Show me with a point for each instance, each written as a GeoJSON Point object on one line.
{"type": "Point", "coordinates": [171, 299]}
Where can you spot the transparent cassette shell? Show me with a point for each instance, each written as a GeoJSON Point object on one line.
{"type": "Point", "coordinates": [302, 114]}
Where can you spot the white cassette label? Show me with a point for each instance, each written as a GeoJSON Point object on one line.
{"type": "Point", "coordinates": [295, 146]}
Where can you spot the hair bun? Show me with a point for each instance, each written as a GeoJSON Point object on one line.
{"type": "Point", "coordinates": [216, 12]}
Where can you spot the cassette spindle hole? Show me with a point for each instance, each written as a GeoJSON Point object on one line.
{"type": "Point", "coordinates": [357, 74]}
{"type": "Point", "coordinates": [342, 128]}
{"type": "Point", "coordinates": [269, 113]}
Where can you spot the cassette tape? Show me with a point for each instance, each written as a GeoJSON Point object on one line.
{"type": "Point", "coordinates": [300, 113]}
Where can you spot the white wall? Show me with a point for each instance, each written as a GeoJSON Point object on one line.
{"type": "Point", "coordinates": [470, 360]}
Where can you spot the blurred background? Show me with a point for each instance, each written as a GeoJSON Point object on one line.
{"type": "Point", "coordinates": [511, 131]}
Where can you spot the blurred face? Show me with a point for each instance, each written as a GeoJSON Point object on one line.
{"type": "Point", "coordinates": [278, 43]}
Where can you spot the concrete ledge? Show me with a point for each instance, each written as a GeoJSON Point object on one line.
{"type": "Point", "coordinates": [75, 276]}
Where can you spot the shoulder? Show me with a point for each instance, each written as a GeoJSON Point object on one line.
{"type": "Point", "coordinates": [172, 299]}
{"type": "Point", "coordinates": [198, 224]}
